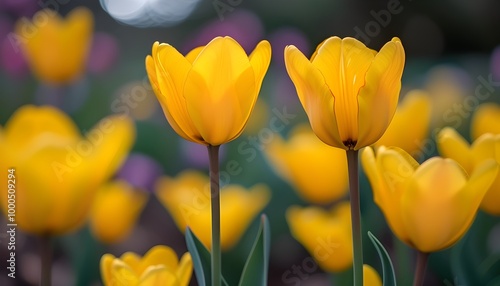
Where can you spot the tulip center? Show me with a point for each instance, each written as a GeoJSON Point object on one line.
{"type": "Point", "coordinates": [350, 144]}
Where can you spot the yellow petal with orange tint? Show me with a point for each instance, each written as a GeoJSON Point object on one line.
{"type": "Point", "coordinates": [315, 96]}
{"type": "Point", "coordinates": [429, 210]}
{"type": "Point", "coordinates": [343, 64]}
{"type": "Point", "coordinates": [378, 98]}
{"type": "Point", "coordinates": [306, 163]}
{"type": "Point", "coordinates": [326, 235]}
{"type": "Point", "coordinates": [185, 269]}
{"type": "Point", "coordinates": [416, 104]}
{"type": "Point", "coordinates": [115, 211]}
{"type": "Point", "coordinates": [453, 145]}
{"type": "Point", "coordinates": [171, 69]}
{"type": "Point", "coordinates": [230, 94]}
{"type": "Point", "coordinates": [485, 120]}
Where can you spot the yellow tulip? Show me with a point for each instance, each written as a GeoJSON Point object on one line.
{"type": "Point", "coordinates": [115, 210]}
{"type": "Point", "coordinates": [58, 170]}
{"type": "Point", "coordinates": [414, 111]}
{"type": "Point", "coordinates": [370, 276]}
{"type": "Point", "coordinates": [187, 198]}
{"type": "Point", "coordinates": [159, 266]}
{"type": "Point", "coordinates": [349, 92]}
{"type": "Point", "coordinates": [56, 48]}
{"type": "Point", "coordinates": [487, 146]}
{"type": "Point", "coordinates": [318, 172]}
{"type": "Point", "coordinates": [208, 95]}
{"type": "Point", "coordinates": [429, 206]}
{"type": "Point", "coordinates": [485, 120]}
{"type": "Point", "coordinates": [326, 235]}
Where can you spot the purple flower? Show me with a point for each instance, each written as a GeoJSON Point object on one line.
{"type": "Point", "coordinates": [243, 26]}
{"type": "Point", "coordinates": [141, 171]}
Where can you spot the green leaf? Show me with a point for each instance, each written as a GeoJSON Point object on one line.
{"type": "Point", "coordinates": [256, 267]}
{"type": "Point", "coordinates": [387, 269]}
{"type": "Point", "coordinates": [201, 259]}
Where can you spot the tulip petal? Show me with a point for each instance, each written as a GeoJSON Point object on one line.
{"type": "Point", "coordinates": [115, 210]}
{"type": "Point", "coordinates": [259, 60]}
{"type": "Point", "coordinates": [171, 72]}
{"type": "Point", "coordinates": [31, 128]}
{"type": "Point", "coordinates": [416, 104]}
{"type": "Point", "coordinates": [122, 274]}
{"type": "Point", "coordinates": [107, 145]}
{"type": "Point", "coordinates": [158, 275]}
{"type": "Point", "coordinates": [485, 120]}
{"type": "Point", "coordinates": [185, 269]}
{"type": "Point", "coordinates": [306, 163]}
{"type": "Point", "coordinates": [393, 167]}
{"type": "Point", "coordinates": [187, 198]}
{"type": "Point", "coordinates": [484, 148]}
{"type": "Point", "coordinates": [370, 276]}
{"type": "Point", "coordinates": [220, 91]}
{"type": "Point", "coordinates": [132, 260]}
{"type": "Point", "coordinates": [487, 146]}
{"type": "Point", "coordinates": [101, 154]}
{"type": "Point", "coordinates": [343, 63]}
{"type": "Point", "coordinates": [453, 145]}
{"type": "Point", "coordinates": [471, 197]}
{"type": "Point", "coordinates": [151, 71]}
{"type": "Point", "coordinates": [378, 98]}
{"type": "Point", "coordinates": [105, 266]}
{"type": "Point", "coordinates": [315, 96]}
{"type": "Point", "coordinates": [433, 188]}
{"type": "Point", "coordinates": [79, 22]}
{"type": "Point", "coordinates": [326, 235]}
{"type": "Point", "coordinates": [243, 204]}
{"type": "Point", "coordinates": [46, 201]}
{"type": "Point", "coordinates": [193, 54]}
{"type": "Point", "coordinates": [160, 255]}
{"type": "Point", "coordinates": [55, 54]}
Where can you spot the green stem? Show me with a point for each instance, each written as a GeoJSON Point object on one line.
{"type": "Point", "coordinates": [422, 258]}
{"type": "Point", "coordinates": [46, 260]}
{"type": "Point", "coordinates": [213, 155]}
{"type": "Point", "coordinates": [352, 163]}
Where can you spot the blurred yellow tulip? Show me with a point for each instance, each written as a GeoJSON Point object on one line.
{"type": "Point", "coordinates": [487, 146]}
{"type": "Point", "coordinates": [370, 276]}
{"type": "Point", "coordinates": [485, 120]}
{"type": "Point", "coordinates": [115, 210]}
{"type": "Point", "coordinates": [429, 206]}
{"type": "Point", "coordinates": [58, 170]}
{"type": "Point", "coordinates": [326, 235]}
{"type": "Point", "coordinates": [159, 266]}
{"type": "Point", "coordinates": [414, 111]}
{"type": "Point", "coordinates": [56, 48]}
{"type": "Point", "coordinates": [208, 95]}
{"type": "Point", "coordinates": [187, 198]}
{"type": "Point", "coordinates": [317, 171]}
{"type": "Point", "coordinates": [349, 92]}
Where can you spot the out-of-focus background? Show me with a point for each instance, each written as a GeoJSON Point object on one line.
{"type": "Point", "coordinates": [451, 49]}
